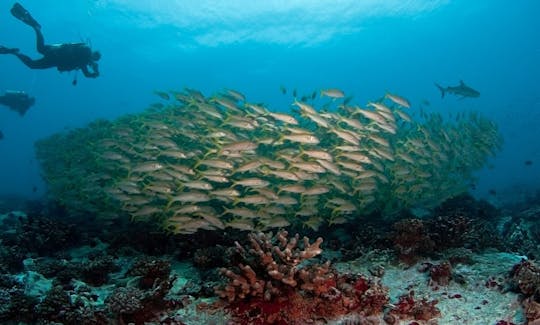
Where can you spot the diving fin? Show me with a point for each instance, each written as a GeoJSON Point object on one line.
{"type": "Point", "coordinates": [7, 50]}
{"type": "Point", "coordinates": [23, 15]}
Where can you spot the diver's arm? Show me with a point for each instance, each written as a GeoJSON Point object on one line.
{"type": "Point", "coordinates": [89, 74]}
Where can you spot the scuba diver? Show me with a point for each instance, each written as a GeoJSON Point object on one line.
{"type": "Point", "coordinates": [18, 101]}
{"type": "Point", "coordinates": [65, 57]}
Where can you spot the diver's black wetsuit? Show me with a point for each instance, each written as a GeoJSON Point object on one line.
{"type": "Point", "coordinates": [18, 101]}
{"type": "Point", "coordinates": [65, 57]}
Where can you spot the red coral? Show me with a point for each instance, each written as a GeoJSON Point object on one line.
{"type": "Point", "coordinates": [361, 285]}
{"type": "Point", "coordinates": [440, 274]}
{"type": "Point", "coordinates": [410, 308]}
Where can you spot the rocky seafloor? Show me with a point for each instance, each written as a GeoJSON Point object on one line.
{"type": "Point", "coordinates": [464, 262]}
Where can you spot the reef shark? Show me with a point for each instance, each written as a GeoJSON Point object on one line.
{"type": "Point", "coordinates": [462, 90]}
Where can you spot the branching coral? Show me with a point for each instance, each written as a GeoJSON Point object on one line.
{"type": "Point", "coordinates": [277, 283]}
{"type": "Point", "coordinates": [280, 265]}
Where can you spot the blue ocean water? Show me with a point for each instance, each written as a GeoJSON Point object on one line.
{"type": "Point", "coordinates": [365, 48]}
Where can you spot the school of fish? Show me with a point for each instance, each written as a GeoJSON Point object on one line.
{"type": "Point", "coordinates": [193, 162]}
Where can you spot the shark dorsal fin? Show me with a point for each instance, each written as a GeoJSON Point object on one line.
{"type": "Point", "coordinates": [461, 83]}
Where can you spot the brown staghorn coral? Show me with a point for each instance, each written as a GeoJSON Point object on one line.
{"type": "Point", "coordinates": [277, 284]}
{"type": "Point", "coordinates": [280, 264]}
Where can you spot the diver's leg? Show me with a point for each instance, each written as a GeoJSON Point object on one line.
{"type": "Point", "coordinates": [40, 41]}
{"type": "Point", "coordinates": [33, 64]}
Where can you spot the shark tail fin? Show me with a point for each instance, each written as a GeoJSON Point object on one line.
{"type": "Point", "coordinates": [441, 89]}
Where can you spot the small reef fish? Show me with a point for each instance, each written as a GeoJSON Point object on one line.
{"type": "Point", "coordinates": [302, 138]}
{"type": "Point", "coordinates": [189, 197]}
{"type": "Point", "coordinates": [461, 90]}
{"type": "Point", "coordinates": [147, 167]}
{"type": "Point", "coordinates": [162, 95]}
{"type": "Point", "coordinates": [398, 100]}
{"type": "Point", "coordinates": [198, 185]}
{"type": "Point", "coordinates": [251, 182]}
{"type": "Point", "coordinates": [305, 108]}
{"type": "Point", "coordinates": [236, 95]}
{"type": "Point", "coordinates": [332, 93]}
{"type": "Point", "coordinates": [285, 118]}
{"type": "Point", "coordinates": [239, 146]}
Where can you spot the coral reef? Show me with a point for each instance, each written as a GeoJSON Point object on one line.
{"type": "Point", "coordinates": [133, 305]}
{"type": "Point", "coordinates": [53, 304]}
{"type": "Point", "coordinates": [209, 257]}
{"type": "Point", "coordinates": [43, 235]}
{"type": "Point", "coordinates": [521, 233]}
{"type": "Point", "coordinates": [465, 222]}
{"type": "Point", "coordinates": [11, 258]}
{"type": "Point", "coordinates": [439, 274]}
{"type": "Point", "coordinates": [96, 271]}
{"type": "Point", "coordinates": [316, 292]}
{"type": "Point", "coordinates": [532, 311]}
{"type": "Point", "coordinates": [62, 270]}
{"type": "Point", "coordinates": [451, 226]}
{"type": "Point", "coordinates": [280, 265]}
{"type": "Point", "coordinates": [125, 301]}
{"type": "Point", "coordinates": [409, 308]}
{"type": "Point", "coordinates": [361, 237]}
{"type": "Point", "coordinates": [411, 240]}
{"type": "Point", "coordinates": [525, 277]}
{"type": "Point", "coordinates": [276, 284]}
{"type": "Point", "coordinates": [31, 236]}
{"type": "Point", "coordinates": [17, 306]}
{"type": "Point", "coordinates": [150, 271]}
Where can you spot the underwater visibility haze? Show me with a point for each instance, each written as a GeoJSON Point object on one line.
{"type": "Point", "coordinates": [365, 49]}
{"type": "Point", "coordinates": [212, 118]}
